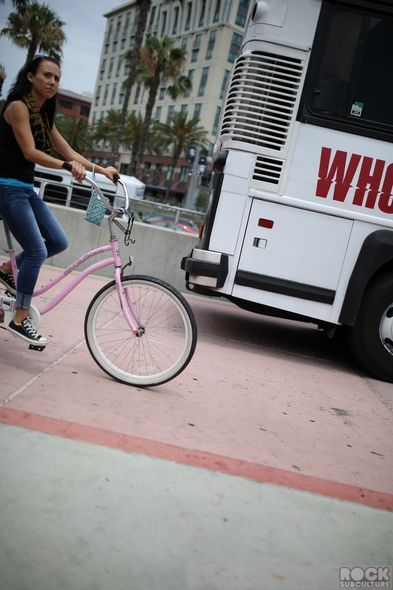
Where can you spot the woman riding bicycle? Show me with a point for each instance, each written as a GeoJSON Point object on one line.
{"type": "Point", "coordinates": [28, 136]}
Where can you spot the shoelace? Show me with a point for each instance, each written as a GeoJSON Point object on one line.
{"type": "Point", "coordinates": [30, 329]}
{"type": "Point", "coordinates": [8, 278]}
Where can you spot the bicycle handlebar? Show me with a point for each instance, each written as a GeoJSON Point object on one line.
{"type": "Point", "coordinates": [117, 180]}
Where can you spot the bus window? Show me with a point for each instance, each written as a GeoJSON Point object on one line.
{"type": "Point", "coordinates": [53, 193]}
{"type": "Point", "coordinates": [350, 83]}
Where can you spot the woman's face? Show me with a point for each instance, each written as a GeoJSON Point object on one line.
{"type": "Point", "coordinates": [45, 81]}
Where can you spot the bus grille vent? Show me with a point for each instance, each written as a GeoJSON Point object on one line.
{"type": "Point", "coordinates": [268, 170]}
{"type": "Point", "coordinates": [261, 99]}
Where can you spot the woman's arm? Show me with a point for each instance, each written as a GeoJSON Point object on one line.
{"type": "Point", "coordinates": [63, 147]}
{"type": "Point", "coordinates": [17, 116]}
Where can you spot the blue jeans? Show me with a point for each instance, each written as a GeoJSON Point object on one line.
{"type": "Point", "coordinates": [34, 226]}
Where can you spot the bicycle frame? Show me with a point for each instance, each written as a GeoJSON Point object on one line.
{"type": "Point", "coordinates": [125, 302]}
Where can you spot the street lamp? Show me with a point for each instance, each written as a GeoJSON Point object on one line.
{"type": "Point", "coordinates": [3, 76]}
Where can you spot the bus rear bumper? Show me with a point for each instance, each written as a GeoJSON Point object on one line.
{"type": "Point", "coordinates": [205, 268]}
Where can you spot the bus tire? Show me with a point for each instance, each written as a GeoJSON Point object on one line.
{"type": "Point", "coordinates": [371, 338]}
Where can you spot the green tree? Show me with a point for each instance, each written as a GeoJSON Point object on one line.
{"type": "Point", "coordinates": [178, 136]}
{"type": "Point", "coordinates": [144, 9]}
{"type": "Point", "coordinates": [160, 63]}
{"type": "Point", "coordinates": [35, 27]}
{"type": "Point", "coordinates": [75, 131]}
{"type": "Point", "coordinates": [106, 128]}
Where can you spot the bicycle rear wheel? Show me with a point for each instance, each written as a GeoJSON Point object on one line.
{"type": "Point", "coordinates": [168, 338]}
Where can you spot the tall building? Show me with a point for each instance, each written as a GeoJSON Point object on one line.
{"type": "Point", "coordinates": [211, 32]}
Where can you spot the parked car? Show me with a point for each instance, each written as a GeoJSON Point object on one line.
{"type": "Point", "coordinates": [155, 218]}
{"type": "Point", "coordinates": [171, 224]}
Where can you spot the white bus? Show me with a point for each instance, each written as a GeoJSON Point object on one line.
{"type": "Point", "coordinates": [300, 216]}
{"type": "Point", "coordinates": [60, 188]}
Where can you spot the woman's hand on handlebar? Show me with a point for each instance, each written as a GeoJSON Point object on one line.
{"type": "Point", "coordinates": [111, 173]}
{"type": "Point", "coordinates": [78, 170]}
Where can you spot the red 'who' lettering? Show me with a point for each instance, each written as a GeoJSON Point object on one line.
{"type": "Point", "coordinates": [369, 183]}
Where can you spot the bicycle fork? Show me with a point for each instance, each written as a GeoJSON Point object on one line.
{"type": "Point", "coordinates": [126, 304]}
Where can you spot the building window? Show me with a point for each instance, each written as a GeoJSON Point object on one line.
{"type": "Point", "coordinates": [121, 97]}
{"type": "Point", "coordinates": [132, 40]}
{"type": "Point", "coordinates": [66, 104]}
{"type": "Point", "coordinates": [242, 10]}
{"type": "Point", "coordinates": [197, 110]}
{"type": "Point", "coordinates": [119, 62]}
{"type": "Point", "coordinates": [127, 24]}
{"type": "Point", "coordinates": [174, 30]}
{"type": "Point", "coordinates": [216, 119]}
{"type": "Point", "coordinates": [151, 21]}
{"type": "Point", "coordinates": [137, 93]}
{"type": "Point", "coordinates": [105, 94]}
{"type": "Point", "coordinates": [110, 67]}
{"type": "Point", "coordinates": [194, 55]}
{"type": "Point", "coordinates": [198, 40]}
{"type": "Point", "coordinates": [184, 108]}
{"type": "Point", "coordinates": [184, 43]}
{"type": "Point", "coordinates": [135, 25]}
{"type": "Point", "coordinates": [191, 76]}
{"type": "Point", "coordinates": [224, 83]}
{"type": "Point", "coordinates": [111, 23]}
{"type": "Point", "coordinates": [93, 120]}
{"type": "Point", "coordinates": [217, 12]}
{"type": "Point", "coordinates": [157, 174]}
{"type": "Point", "coordinates": [162, 94]}
{"type": "Point", "coordinates": [170, 112]}
{"type": "Point", "coordinates": [202, 16]}
{"type": "Point", "coordinates": [188, 19]}
{"type": "Point", "coordinates": [158, 113]}
{"type": "Point", "coordinates": [84, 111]}
{"type": "Point", "coordinates": [123, 44]}
{"type": "Point", "coordinates": [114, 46]}
{"type": "Point", "coordinates": [114, 90]}
{"type": "Point", "coordinates": [202, 85]}
{"type": "Point", "coordinates": [106, 49]}
{"type": "Point", "coordinates": [184, 172]}
{"type": "Point", "coordinates": [97, 99]}
{"type": "Point", "coordinates": [168, 172]}
{"type": "Point", "coordinates": [163, 27]}
{"type": "Point", "coordinates": [235, 47]}
{"type": "Point", "coordinates": [210, 47]}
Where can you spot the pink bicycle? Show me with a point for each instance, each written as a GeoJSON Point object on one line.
{"type": "Point", "coordinates": [139, 329]}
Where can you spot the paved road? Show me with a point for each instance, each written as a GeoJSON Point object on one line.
{"type": "Point", "coordinates": [264, 401]}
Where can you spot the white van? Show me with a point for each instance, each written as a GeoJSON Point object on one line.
{"type": "Point", "coordinates": [60, 188]}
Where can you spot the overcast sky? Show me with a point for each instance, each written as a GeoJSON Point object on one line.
{"type": "Point", "coordinates": [84, 30]}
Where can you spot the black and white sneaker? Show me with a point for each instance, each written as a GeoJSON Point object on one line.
{"type": "Point", "coordinates": [7, 279]}
{"type": "Point", "coordinates": [27, 332]}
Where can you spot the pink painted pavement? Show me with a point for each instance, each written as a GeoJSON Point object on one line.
{"type": "Point", "coordinates": [263, 398]}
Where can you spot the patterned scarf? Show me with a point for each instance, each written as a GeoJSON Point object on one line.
{"type": "Point", "coordinates": [39, 124]}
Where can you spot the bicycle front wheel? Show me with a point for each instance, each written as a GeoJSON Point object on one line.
{"type": "Point", "coordinates": [168, 332]}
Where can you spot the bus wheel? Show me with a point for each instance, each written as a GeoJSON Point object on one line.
{"type": "Point", "coordinates": [371, 338]}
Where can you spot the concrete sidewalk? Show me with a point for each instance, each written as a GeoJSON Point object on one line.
{"type": "Point", "coordinates": [266, 464]}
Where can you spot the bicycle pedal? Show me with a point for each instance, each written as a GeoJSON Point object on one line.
{"type": "Point", "coordinates": [37, 347]}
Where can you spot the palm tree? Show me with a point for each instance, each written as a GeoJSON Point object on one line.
{"type": "Point", "coordinates": [159, 62]}
{"type": "Point", "coordinates": [75, 131]}
{"type": "Point", "coordinates": [144, 9]}
{"type": "Point", "coordinates": [35, 27]}
{"type": "Point", "coordinates": [132, 135]}
{"type": "Point", "coordinates": [180, 134]}
{"type": "Point", "coordinates": [105, 128]}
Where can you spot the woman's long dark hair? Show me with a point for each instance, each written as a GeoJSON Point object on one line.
{"type": "Point", "coordinates": [22, 86]}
